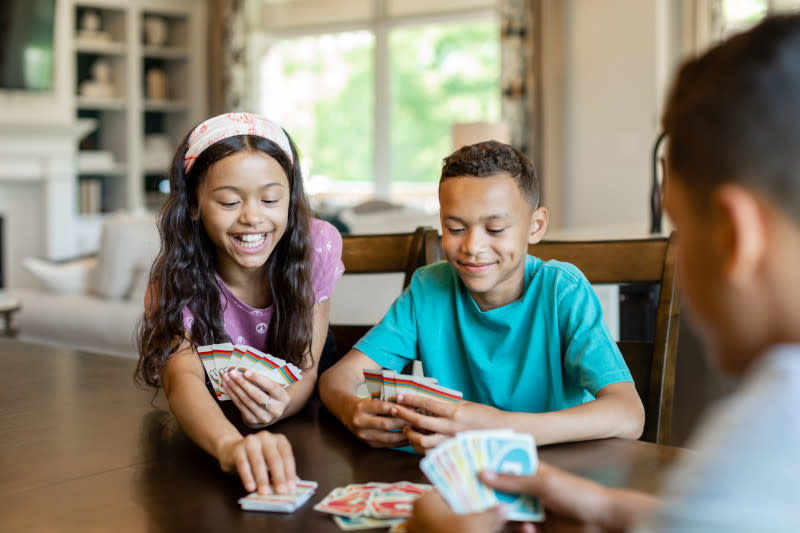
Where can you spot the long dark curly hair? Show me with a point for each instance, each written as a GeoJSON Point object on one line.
{"type": "Point", "coordinates": [183, 273]}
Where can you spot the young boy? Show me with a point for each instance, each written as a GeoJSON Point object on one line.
{"type": "Point", "coordinates": [524, 340]}
{"type": "Point", "coordinates": [733, 193]}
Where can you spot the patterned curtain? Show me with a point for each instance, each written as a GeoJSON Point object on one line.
{"type": "Point", "coordinates": [520, 77]}
{"type": "Point", "coordinates": [234, 58]}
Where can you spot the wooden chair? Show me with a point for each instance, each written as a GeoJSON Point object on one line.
{"type": "Point", "coordinates": [647, 261]}
{"type": "Point", "coordinates": [370, 254]}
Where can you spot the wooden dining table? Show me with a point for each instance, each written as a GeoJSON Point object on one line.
{"type": "Point", "coordinates": [82, 448]}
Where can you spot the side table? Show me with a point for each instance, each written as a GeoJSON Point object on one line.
{"type": "Point", "coordinates": [8, 306]}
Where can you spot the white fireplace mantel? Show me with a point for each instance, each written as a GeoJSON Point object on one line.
{"type": "Point", "coordinates": [38, 168]}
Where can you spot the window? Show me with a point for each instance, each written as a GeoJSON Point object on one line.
{"type": "Point", "coordinates": [740, 15]}
{"type": "Point", "coordinates": [370, 100]}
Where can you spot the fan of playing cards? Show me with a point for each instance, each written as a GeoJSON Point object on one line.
{"type": "Point", "coordinates": [453, 468]}
{"type": "Point", "coordinates": [386, 385]}
{"type": "Point", "coordinates": [220, 358]}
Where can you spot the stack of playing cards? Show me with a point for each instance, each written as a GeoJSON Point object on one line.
{"type": "Point", "coordinates": [454, 465]}
{"type": "Point", "coordinates": [220, 358]}
{"type": "Point", "coordinates": [371, 505]}
{"type": "Point", "coordinates": [386, 385]}
{"type": "Point", "coordinates": [281, 503]}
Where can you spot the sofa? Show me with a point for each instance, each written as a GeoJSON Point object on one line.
{"type": "Point", "coordinates": [92, 303]}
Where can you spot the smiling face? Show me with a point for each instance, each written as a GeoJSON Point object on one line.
{"type": "Point", "coordinates": [487, 225]}
{"type": "Point", "coordinates": [243, 203]}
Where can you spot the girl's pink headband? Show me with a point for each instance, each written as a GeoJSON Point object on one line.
{"type": "Point", "coordinates": [228, 125]}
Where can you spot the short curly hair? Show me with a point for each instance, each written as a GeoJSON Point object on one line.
{"type": "Point", "coordinates": [489, 158]}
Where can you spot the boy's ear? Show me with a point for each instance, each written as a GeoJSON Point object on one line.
{"type": "Point", "coordinates": [739, 232]}
{"type": "Point", "coordinates": [538, 225]}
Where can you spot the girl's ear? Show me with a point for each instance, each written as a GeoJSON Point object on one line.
{"type": "Point", "coordinates": [538, 227]}
{"type": "Point", "coordinates": [739, 232]}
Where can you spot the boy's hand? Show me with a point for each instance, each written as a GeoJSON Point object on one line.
{"type": "Point", "coordinates": [432, 514]}
{"type": "Point", "coordinates": [260, 400]}
{"type": "Point", "coordinates": [445, 420]}
{"type": "Point", "coordinates": [572, 500]}
{"type": "Point", "coordinates": [371, 421]}
{"type": "Point", "coordinates": [263, 460]}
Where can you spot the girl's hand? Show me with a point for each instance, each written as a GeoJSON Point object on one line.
{"type": "Point", "coordinates": [263, 460]}
{"type": "Point", "coordinates": [260, 400]}
{"type": "Point", "coordinates": [431, 514]}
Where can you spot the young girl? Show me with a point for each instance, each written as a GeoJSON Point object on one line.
{"type": "Point", "coordinates": [241, 261]}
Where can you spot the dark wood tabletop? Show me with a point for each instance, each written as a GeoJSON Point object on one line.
{"type": "Point", "coordinates": [83, 449]}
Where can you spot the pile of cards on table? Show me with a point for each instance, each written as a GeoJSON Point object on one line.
{"type": "Point", "coordinates": [281, 503]}
{"type": "Point", "coordinates": [371, 505]}
{"type": "Point", "coordinates": [454, 465]}
{"type": "Point", "coordinates": [220, 358]}
{"type": "Point", "coordinates": [386, 385]}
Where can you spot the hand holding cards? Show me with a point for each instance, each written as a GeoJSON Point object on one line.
{"type": "Point", "coordinates": [218, 359]}
{"type": "Point", "coordinates": [454, 465]}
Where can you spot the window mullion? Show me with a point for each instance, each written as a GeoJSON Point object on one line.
{"type": "Point", "coordinates": [382, 113]}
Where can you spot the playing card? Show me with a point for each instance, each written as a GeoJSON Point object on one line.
{"type": "Point", "coordinates": [247, 358]}
{"type": "Point", "coordinates": [353, 523]}
{"type": "Point", "coordinates": [515, 454]}
{"type": "Point", "coordinates": [345, 502]}
{"type": "Point", "coordinates": [389, 388]}
{"type": "Point", "coordinates": [206, 354]}
{"type": "Point", "coordinates": [426, 388]}
{"type": "Point", "coordinates": [453, 468]}
{"type": "Point", "coordinates": [285, 503]}
{"type": "Point", "coordinates": [374, 381]}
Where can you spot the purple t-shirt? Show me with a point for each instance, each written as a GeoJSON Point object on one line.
{"type": "Point", "coordinates": [249, 325]}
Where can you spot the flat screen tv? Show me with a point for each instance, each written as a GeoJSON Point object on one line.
{"type": "Point", "coordinates": [26, 44]}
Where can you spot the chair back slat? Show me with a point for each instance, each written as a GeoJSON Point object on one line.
{"type": "Point", "coordinates": [633, 261]}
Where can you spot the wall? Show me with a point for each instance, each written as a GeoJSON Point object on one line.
{"type": "Point", "coordinates": [606, 68]}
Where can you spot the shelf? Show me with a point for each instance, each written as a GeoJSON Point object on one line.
{"type": "Point", "coordinates": [167, 106]}
{"type": "Point", "coordinates": [116, 170]}
{"type": "Point", "coordinates": [104, 104]}
{"type": "Point", "coordinates": [165, 52]}
{"type": "Point", "coordinates": [157, 170]}
{"type": "Point", "coordinates": [85, 46]}
{"type": "Point", "coordinates": [117, 162]}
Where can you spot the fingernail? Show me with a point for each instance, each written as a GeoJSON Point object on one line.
{"type": "Point", "coordinates": [281, 488]}
{"type": "Point", "coordinates": [489, 475]}
{"type": "Point", "coordinates": [504, 510]}
{"type": "Point", "coordinates": [248, 374]}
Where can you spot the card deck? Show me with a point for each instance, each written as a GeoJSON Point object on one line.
{"type": "Point", "coordinates": [281, 503]}
{"type": "Point", "coordinates": [453, 468]}
{"type": "Point", "coordinates": [220, 358]}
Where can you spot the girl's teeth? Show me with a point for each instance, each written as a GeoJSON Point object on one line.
{"type": "Point", "coordinates": [251, 241]}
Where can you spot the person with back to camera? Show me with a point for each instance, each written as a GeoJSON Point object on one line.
{"type": "Point", "coordinates": [733, 193]}
{"type": "Point", "coordinates": [241, 261]}
{"type": "Point", "coordinates": [523, 339]}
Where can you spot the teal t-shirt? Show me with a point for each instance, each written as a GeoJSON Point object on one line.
{"type": "Point", "coordinates": [546, 351]}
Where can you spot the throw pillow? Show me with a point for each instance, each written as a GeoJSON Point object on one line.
{"type": "Point", "coordinates": [71, 277]}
